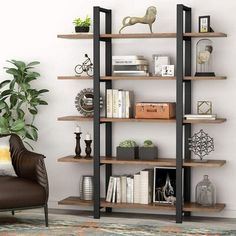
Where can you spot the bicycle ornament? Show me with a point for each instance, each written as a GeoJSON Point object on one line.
{"type": "Point", "coordinates": [201, 144]}
{"type": "Point", "coordinates": [86, 67]}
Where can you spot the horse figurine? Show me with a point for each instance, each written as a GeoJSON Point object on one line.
{"type": "Point", "coordinates": [149, 19]}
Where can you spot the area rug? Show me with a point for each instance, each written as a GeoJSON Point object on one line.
{"type": "Point", "coordinates": [25, 224]}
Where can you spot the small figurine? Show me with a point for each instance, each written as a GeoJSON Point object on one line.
{"type": "Point", "coordinates": [87, 66]}
{"type": "Point", "coordinates": [149, 19]}
{"type": "Point", "coordinates": [169, 190]}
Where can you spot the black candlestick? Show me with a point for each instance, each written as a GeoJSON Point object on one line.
{"type": "Point", "coordinates": [77, 147]}
{"type": "Point", "coordinates": [88, 148]}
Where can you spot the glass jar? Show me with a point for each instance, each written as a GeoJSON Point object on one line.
{"type": "Point", "coordinates": [205, 192]}
{"type": "Point", "coordinates": [204, 49]}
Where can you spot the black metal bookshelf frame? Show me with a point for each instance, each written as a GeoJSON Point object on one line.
{"type": "Point", "coordinates": [183, 104]}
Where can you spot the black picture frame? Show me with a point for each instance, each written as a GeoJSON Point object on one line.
{"type": "Point", "coordinates": [204, 24]}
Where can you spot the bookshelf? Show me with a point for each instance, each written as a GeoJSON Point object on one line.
{"type": "Point", "coordinates": [183, 79]}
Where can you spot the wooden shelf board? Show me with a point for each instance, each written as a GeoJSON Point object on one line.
{"type": "Point", "coordinates": [163, 162]}
{"type": "Point", "coordinates": [75, 201]}
{"type": "Point", "coordinates": [205, 35]}
{"type": "Point", "coordinates": [75, 77]}
{"type": "Point", "coordinates": [205, 78]}
{"type": "Point", "coordinates": [200, 121]}
{"type": "Point", "coordinates": [74, 118]}
{"type": "Point", "coordinates": [136, 120]}
{"type": "Point", "coordinates": [141, 78]}
{"type": "Point", "coordinates": [139, 35]}
{"type": "Point", "coordinates": [192, 207]}
{"type": "Point", "coordinates": [75, 160]}
{"type": "Point", "coordinates": [76, 36]}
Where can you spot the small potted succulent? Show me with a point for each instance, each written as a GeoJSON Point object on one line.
{"type": "Point", "coordinates": [127, 150]}
{"type": "Point", "coordinates": [148, 151]}
{"type": "Point", "coordinates": [82, 26]}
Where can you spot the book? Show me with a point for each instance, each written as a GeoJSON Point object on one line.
{"type": "Point", "coordinates": [146, 186]}
{"type": "Point", "coordinates": [110, 189]}
{"type": "Point", "coordinates": [109, 103]}
{"type": "Point", "coordinates": [120, 103]}
{"type": "Point", "coordinates": [132, 57]}
{"type": "Point", "coordinates": [199, 117]}
{"type": "Point", "coordinates": [115, 111]}
{"type": "Point", "coordinates": [128, 104]}
{"type": "Point", "coordinates": [137, 188]}
{"type": "Point", "coordinates": [118, 190]}
{"type": "Point", "coordinates": [114, 190]}
{"type": "Point", "coordinates": [129, 62]}
{"type": "Point", "coordinates": [131, 190]}
{"type": "Point", "coordinates": [123, 188]}
{"type": "Point", "coordinates": [128, 190]}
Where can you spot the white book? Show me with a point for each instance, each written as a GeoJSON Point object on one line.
{"type": "Point", "coordinates": [146, 186]}
{"type": "Point", "coordinates": [128, 104]}
{"type": "Point", "coordinates": [118, 190]}
{"type": "Point", "coordinates": [129, 62]}
{"type": "Point", "coordinates": [128, 190]}
{"type": "Point", "coordinates": [132, 190]}
{"type": "Point", "coordinates": [131, 57]}
{"type": "Point", "coordinates": [115, 112]}
{"type": "Point", "coordinates": [109, 103]}
{"type": "Point", "coordinates": [123, 104]}
{"type": "Point", "coordinates": [123, 188]}
{"type": "Point", "coordinates": [110, 189]}
{"type": "Point", "coordinates": [120, 103]}
{"type": "Point", "coordinates": [114, 190]}
{"type": "Point", "coordinates": [199, 116]}
{"type": "Point", "coordinates": [137, 188]}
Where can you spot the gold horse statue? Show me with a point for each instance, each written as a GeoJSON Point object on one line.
{"type": "Point", "coordinates": [149, 19]}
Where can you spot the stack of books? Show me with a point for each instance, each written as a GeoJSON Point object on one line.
{"type": "Point", "coordinates": [119, 103]}
{"type": "Point", "coordinates": [130, 66]}
{"type": "Point", "coordinates": [199, 117]}
{"type": "Point", "coordinates": [131, 189]}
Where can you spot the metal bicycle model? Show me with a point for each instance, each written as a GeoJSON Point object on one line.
{"type": "Point", "coordinates": [87, 66]}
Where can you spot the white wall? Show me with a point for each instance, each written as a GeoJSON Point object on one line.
{"type": "Point", "coordinates": [29, 32]}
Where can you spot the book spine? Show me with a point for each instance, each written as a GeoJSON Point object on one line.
{"type": "Point", "coordinates": [120, 108]}
{"type": "Point", "coordinates": [146, 185]}
{"type": "Point", "coordinates": [137, 188]}
{"type": "Point", "coordinates": [110, 189]}
{"type": "Point", "coordinates": [114, 190]}
{"type": "Point", "coordinates": [131, 190]}
{"type": "Point", "coordinates": [123, 104]}
{"type": "Point", "coordinates": [115, 113]}
{"type": "Point", "coordinates": [118, 192]}
{"type": "Point", "coordinates": [128, 193]}
{"type": "Point", "coordinates": [123, 188]}
{"type": "Point", "coordinates": [109, 103]}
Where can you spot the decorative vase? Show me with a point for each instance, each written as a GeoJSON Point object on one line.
{"type": "Point", "coordinates": [81, 29]}
{"type": "Point", "coordinates": [205, 192]}
{"type": "Point", "coordinates": [86, 187]}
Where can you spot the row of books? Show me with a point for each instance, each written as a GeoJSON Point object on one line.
{"type": "Point", "coordinates": [200, 117]}
{"type": "Point", "coordinates": [131, 189]}
{"type": "Point", "coordinates": [119, 103]}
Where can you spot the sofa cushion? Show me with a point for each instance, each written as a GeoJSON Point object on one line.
{"type": "Point", "coordinates": [19, 193]}
{"type": "Point", "coordinates": [6, 167]}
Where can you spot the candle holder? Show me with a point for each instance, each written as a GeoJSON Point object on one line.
{"type": "Point", "coordinates": [77, 147]}
{"type": "Point", "coordinates": [88, 149]}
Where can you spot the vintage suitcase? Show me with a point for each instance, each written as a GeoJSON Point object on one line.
{"type": "Point", "coordinates": [155, 110]}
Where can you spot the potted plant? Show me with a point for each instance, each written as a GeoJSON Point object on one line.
{"type": "Point", "coordinates": [148, 151]}
{"type": "Point", "coordinates": [127, 150]}
{"type": "Point", "coordinates": [82, 26]}
{"type": "Point", "coordinates": [19, 101]}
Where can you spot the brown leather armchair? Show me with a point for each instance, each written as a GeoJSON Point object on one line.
{"type": "Point", "coordinates": [30, 188]}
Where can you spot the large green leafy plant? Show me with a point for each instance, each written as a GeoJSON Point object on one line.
{"type": "Point", "coordinates": [19, 101]}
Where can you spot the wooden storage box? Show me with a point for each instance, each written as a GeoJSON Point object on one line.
{"type": "Point", "coordinates": [157, 110]}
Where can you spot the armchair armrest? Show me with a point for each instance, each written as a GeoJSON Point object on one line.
{"type": "Point", "coordinates": [27, 164]}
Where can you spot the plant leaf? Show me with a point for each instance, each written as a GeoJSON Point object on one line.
{"type": "Point", "coordinates": [17, 125]}
{"type": "Point", "coordinates": [33, 111]}
{"type": "Point", "coordinates": [41, 102]}
{"type": "Point", "coordinates": [4, 83]}
{"type": "Point", "coordinates": [33, 63]}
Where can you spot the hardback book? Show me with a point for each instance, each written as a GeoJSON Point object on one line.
{"type": "Point", "coordinates": [118, 190]}
{"type": "Point", "coordinates": [123, 188]}
{"type": "Point", "coordinates": [129, 97]}
{"type": "Point", "coordinates": [129, 189]}
{"type": "Point", "coordinates": [121, 104]}
{"type": "Point", "coordinates": [131, 57]}
{"type": "Point", "coordinates": [199, 117]}
{"type": "Point", "coordinates": [115, 109]}
{"type": "Point", "coordinates": [132, 190]}
{"type": "Point", "coordinates": [109, 102]}
{"type": "Point", "coordinates": [114, 190]}
{"type": "Point", "coordinates": [137, 188]}
{"type": "Point", "coordinates": [146, 186]}
{"type": "Point", "coordinates": [110, 189]}
{"type": "Point", "coordinates": [130, 62]}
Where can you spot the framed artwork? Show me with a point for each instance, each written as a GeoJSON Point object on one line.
{"type": "Point", "coordinates": [204, 108]}
{"type": "Point", "coordinates": [204, 24]}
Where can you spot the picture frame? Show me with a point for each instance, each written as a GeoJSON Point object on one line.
{"type": "Point", "coordinates": [204, 108]}
{"type": "Point", "coordinates": [160, 176]}
{"type": "Point", "coordinates": [204, 25]}
{"type": "Point", "coordinates": [168, 71]}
